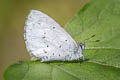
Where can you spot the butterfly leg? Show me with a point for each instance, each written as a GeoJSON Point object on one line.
{"type": "Point", "coordinates": [63, 60]}
{"type": "Point", "coordinates": [79, 61]}
{"type": "Point", "coordinates": [83, 58]}
{"type": "Point", "coordinates": [61, 63]}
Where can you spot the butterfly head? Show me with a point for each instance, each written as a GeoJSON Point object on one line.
{"type": "Point", "coordinates": [81, 45]}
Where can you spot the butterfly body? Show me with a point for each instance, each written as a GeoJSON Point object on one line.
{"type": "Point", "coordinates": [47, 41]}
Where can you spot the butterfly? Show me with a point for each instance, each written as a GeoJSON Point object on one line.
{"type": "Point", "coordinates": [46, 40]}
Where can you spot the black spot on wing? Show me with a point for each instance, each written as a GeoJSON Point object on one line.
{"type": "Point", "coordinates": [39, 23]}
{"type": "Point", "coordinates": [60, 46]}
{"type": "Point", "coordinates": [44, 33]}
{"type": "Point", "coordinates": [53, 27]}
{"type": "Point", "coordinates": [66, 40]}
{"type": "Point", "coordinates": [44, 37]}
{"type": "Point", "coordinates": [59, 54]}
{"type": "Point", "coordinates": [45, 51]}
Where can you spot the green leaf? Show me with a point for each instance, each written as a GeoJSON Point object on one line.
{"type": "Point", "coordinates": [100, 18]}
{"type": "Point", "coordinates": [66, 71]}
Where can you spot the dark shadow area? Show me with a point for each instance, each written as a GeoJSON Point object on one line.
{"type": "Point", "coordinates": [75, 61]}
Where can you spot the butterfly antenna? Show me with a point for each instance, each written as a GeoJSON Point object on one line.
{"type": "Point", "coordinates": [97, 41]}
{"type": "Point", "coordinates": [89, 38]}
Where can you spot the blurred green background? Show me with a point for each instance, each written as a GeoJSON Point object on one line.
{"type": "Point", "coordinates": [12, 18]}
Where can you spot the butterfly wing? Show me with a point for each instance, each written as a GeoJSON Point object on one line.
{"type": "Point", "coordinates": [47, 40]}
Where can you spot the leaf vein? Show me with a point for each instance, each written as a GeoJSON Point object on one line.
{"type": "Point", "coordinates": [68, 73]}
{"type": "Point", "coordinates": [26, 71]}
{"type": "Point", "coordinates": [95, 62]}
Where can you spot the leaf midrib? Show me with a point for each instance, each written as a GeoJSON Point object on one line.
{"type": "Point", "coordinates": [66, 72]}
{"type": "Point", "coordinates": [107, 48]}
{"type": "Point", "coordinates": [95, 62]}
{"type": "Point", "coordinates": [69, 73]}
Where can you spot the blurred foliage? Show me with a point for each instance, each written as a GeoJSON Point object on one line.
{"type": "Point", "coordinates": [12, 17]}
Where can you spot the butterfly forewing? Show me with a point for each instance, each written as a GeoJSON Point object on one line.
{"type": "Point", "coordinates": [45, 39]}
